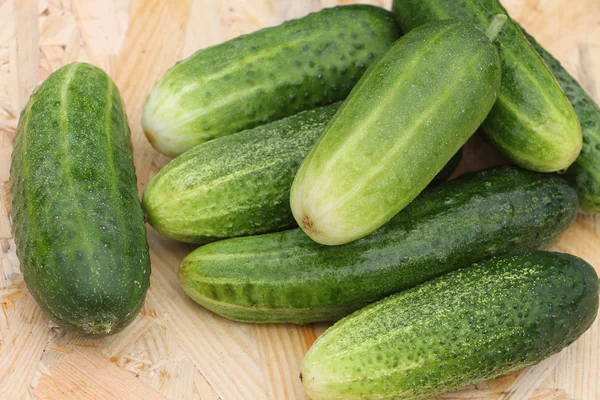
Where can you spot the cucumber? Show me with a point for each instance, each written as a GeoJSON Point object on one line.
{"type": "Point", "coordinates": [287, 277]}
{"type": "Point", "coordinates": [474, 324]}
{"type": "Point", "coordinates": [78, 224]}
{"type": "Point", "coordinates": [409, 114]}
{"type": "Point", "coordinates": [584, 173]}
{"type": "Point", "coordinates": [202, 196]}
{"type": "Point", "coordinates": [532, 122]}
{"type": "Point", "coordinates": [265, 76]}
{"type": "Point", "coordinates": [235, 185]}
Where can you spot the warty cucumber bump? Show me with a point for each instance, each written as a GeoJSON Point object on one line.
{"type": "Point", "coordinates": [78, 224]}
{"type": "Point", "coordinates": [407, 116]}
{"type": "Point", "coordinates": [265, 75]}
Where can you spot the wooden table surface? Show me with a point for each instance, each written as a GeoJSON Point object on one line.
{"type": "Point", "coordinates": [176, 349]}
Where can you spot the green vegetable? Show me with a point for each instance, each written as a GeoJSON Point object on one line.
{"type": "Point", "coordinates": [584, 173]}
{"type": "Point", "coordinates": [408, 115]}
{"type": "Point", "coordinates": [203, 195]}
{"type": "Point", "coordinates": [287, 277]}
{"type": "Point", "coordinates": [265, 76]}
{"type": "Point", "coordinates": [474, 324]}
{"type": "Point", "coordinates": [532, 122]}
{"type": "Point", "coordinates": [78, 223]}
{"type": "Point", "coordinates": [236, 185]}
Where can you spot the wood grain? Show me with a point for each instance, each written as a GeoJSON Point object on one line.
{"type": "Point", "coordinates": [175, 349]}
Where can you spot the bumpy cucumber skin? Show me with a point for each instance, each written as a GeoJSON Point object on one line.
{"type": "Point", "coordinates": [287, 277]}
{"type": "Point", "coordinates": [532, 123]}
{"type": "Point", "coordinates": [265, 76]}
{"type": "Point", "coordinates": [236, 185]}
{"type": "Point", "coordinates": [404, 120]}
{"type": "Point", "coordinates": [78, 224]}
{"type": "Point", "coordinates": [584, 173]}
{"type": "Point", "coordinates": [474, 324]}
{"type": "Point", "coordinates": [201, 196]}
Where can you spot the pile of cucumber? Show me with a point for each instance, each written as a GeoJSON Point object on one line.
{"type": "Point", "coordinates": [311, 157]}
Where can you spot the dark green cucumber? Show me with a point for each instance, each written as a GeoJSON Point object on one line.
{"type": "Point", "coordinates": [286, 277]}
{"type": "Point", "coordinates": [78, 224]}
{"type": "Point", "coordinates": [264, 76]}
{"type": "Point", "coordinates": [490, 319]}
{"type": "Point", "coordinates": [202, 195]}
{"type": "Point", "coordinates": [584, 173]}
{"type": "Point", "coordinates": [408, 115]}
{"type": "Point", "coordinates": [532, 122]}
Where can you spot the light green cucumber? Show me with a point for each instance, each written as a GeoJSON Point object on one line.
{"type": "Point", "coordinates": [462, 328]}
{"type": "Point", "coordinates": [265, 76]}
{"type": "Point", "coordinates": [408, 115]}
{"type": "Point", "coordinates": [532, 122]}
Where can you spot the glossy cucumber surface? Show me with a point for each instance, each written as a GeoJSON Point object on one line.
{"type": "Point", "coordinates": [265, 76]}
{"type": "Point", "coordinates": [78, 224]}
{"type": "Point", "coordinates": [287, 277]}
{"type": "Point", "coordinates": [409, 114]}
{"type": "Point", "coordinates": [532, 122]}
{"type": "Point", "coordinates": [584, 173]}
{"type": "Point", "coordinates": [462, 328]}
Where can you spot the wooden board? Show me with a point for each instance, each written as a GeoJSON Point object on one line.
{"type": "Point", "coordinates": [175, 349]}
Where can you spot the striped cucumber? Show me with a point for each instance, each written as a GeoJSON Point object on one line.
{"type": "Point", "coordinates": [264, 76]}
{"type": "Point", "coordinates": [474, 324]}
{"type": "Point", "coordinates": [287, 277]}
{"type": "Point", "coordinates": [202, 195]}
{"type": "Point", "coordinates": [584, 173]}
{"type": "Point", "coordinates": [532, 122]}
{"type": "Point", "coordinates": [78, 224]}
{"type": "Point", "coordinates": [409, 114]}
{"type": "Point", "coordinates": [236, 185]}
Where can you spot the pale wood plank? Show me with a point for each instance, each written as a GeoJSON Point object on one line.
{"type": "Point", "coordinates": [204, 391]}
{"type": "Point", "coordinates": [154, 38]}
{"type": "Point", "coordinates": [27, 49]}
{"type": "Point", "coordinates": [21, 348]}
{"type": "Point", "coordinates": [117, 344]}
{"type": "Point", "coordinates": [281, 350]}
{"type": "Point", "coordinates": [86, 374]}
{"type": "Point", "coordinates": [100, 30]}
{"type": "Point", "coordinates": [578, 373]}
{"type": "Point", "coordinates": [530, 379]}
{"type": "Point", "coordinates": [158, 361]}
{"type": "Point", "coordinates": [221, 349]}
